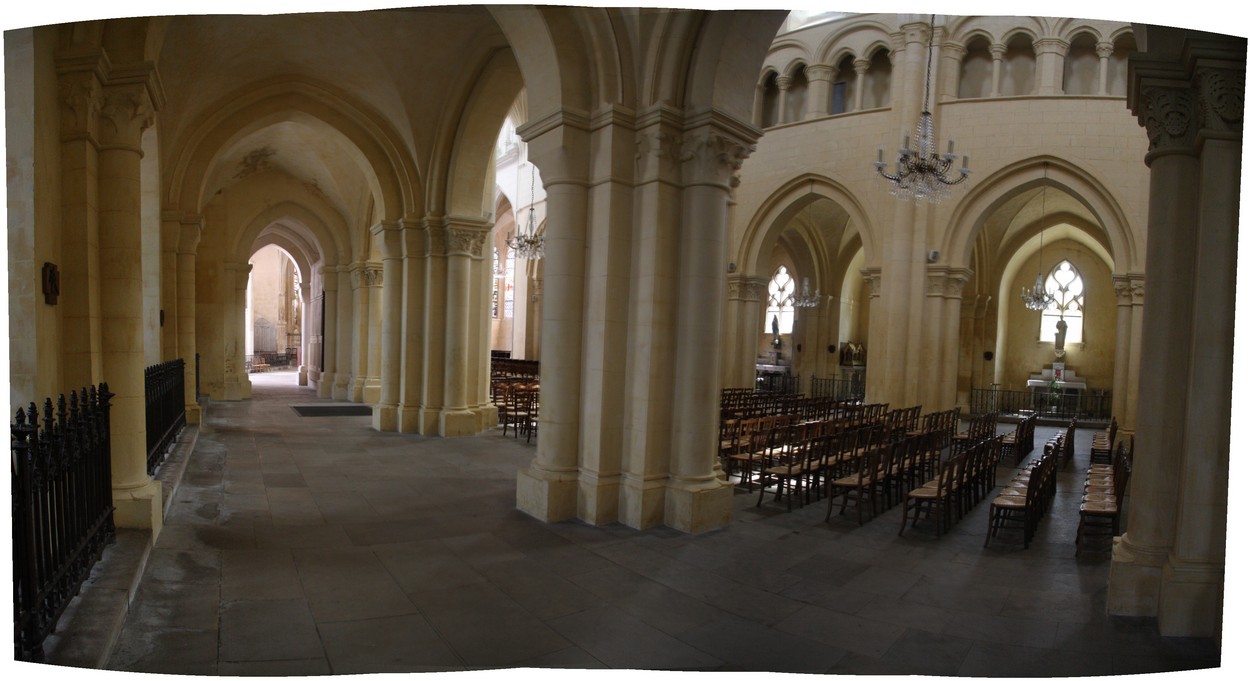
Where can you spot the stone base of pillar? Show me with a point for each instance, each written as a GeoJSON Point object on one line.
{"type": "Point", "coordinates": [303, 375]}
{"type": "Point", "coordinates": [341, 390]}
{"type": "Point", "coordinates": [385, 418]}
{"type": "Point", "coordinates": [325, 384]}
{"type": "Point", "coordinates": [642, 501]}
{"type": "Point", "coordinates": [372, 392]}
{"type": "Point", "coordinates": [139, 507]}
{"type": "Point", "coordinates": [234, 390]}
{"type": "Point", "coordinates": [598, 497]}
{"type": "Point", "coordinates": [356, 390]}
{"type": "Point", "coordinates": [1136, 575]}
{"type": "Point", "coordinates": [489, 417]}
{"type": "Point", "coordinates": [547, 495]}
{"type": "Point", "coordinates": [697, 507]}
{"type": "Point", "coordinates": [1191, 599]}
{"type": "Point", "coordinates": [452, 423]}
{"type": "Point", "coordinates": [409, 419]}
{"type": "Point", "coordinates": [193, 414]}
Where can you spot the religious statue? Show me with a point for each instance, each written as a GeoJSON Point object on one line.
{"type": "Point", "coordinates": [1061, 333]}
{"type": "Point", "coordinates": [776, 332]}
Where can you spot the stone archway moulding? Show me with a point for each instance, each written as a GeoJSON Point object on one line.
{"type": "Point", "coordinates": [391, 171]}
{"type": "Point", "coordinates": [776, 211]}
{"type": "Point", "coordinates": [960, 234]}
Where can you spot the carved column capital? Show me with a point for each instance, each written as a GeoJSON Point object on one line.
{"type": "Point", "coordinates": [1221, 99]}
{"type": "Point", "coordinates": [1169, 114]}
{"type": "Point", "coordinates": [784, 83]}
{"type": "Point", "coordinates": [190, 229]}
{"type": "Point", "coordinates": [872, 278]}
{"type": "Point", "coordinates": [657, 151]}
{"type": "Point", "coordinates": [1130, 289]}
{"type": "Point", "coordinates": [998, 51]}
{"type": "Point", "coordinates": [746, 288]}
{"type": "Point", "coordinates": [241, 271]}
{"type": "Point", "coordinates": [1104, 50]}
{"type": "Point", "coordinates": [935, 280]}
{"type": "Point", "coordinates": [819, 72]}
{"type": "Point", "coordinates": [126, 111]}
{"type": "Point", "coordinates": [467, 239]}
{"type": "Point", "coordinates": [956, 279]}
{"type": "Point", "coordinates": [710, 157]}
{"type": "Point", "coordinates": [389, 236]}
{"type": "Point", "coordinates": [861, 66]}
{"type": "Point", "coordinates": [81, 95]}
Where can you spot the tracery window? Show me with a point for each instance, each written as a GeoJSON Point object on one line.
{"type": "Point", "coordinates": [780, 302]}
{"type": "Point", "coordinates": [1068, 287]}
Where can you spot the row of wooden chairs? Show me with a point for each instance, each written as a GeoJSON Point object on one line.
{"type": "Point", "coordinates": [979, 428]}
{"type": "Point", "coordinates": [801, 457]}
{"type": "Point", "coordinates": [518, 408]}
{"type": "Point", "coordinates": [1103, 500]}
{"type": "Point", "coordinates": [1020, 442]}
{"type": "Point", "coordinates": [961, 482]}
{"type": "Point", "coordinates": [1025, 499]}
{"type": "Point", "coordinates": [1063, 444]}
{"type": "Point", "coordinates": [885, 472]}
{"type": "Point", "coordinates": [1100, 449]}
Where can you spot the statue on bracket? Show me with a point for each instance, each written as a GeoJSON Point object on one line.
{"type": "Point", "coordinates": [1061, 334]}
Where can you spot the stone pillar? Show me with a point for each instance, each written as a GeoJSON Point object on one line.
{"type": "Point", "coordinates": [1104, 50]}
{"type": "Point", "coordinates": [606, 321]}
{"type": "Point", "coordinates": [79, 302]}
{"type": "Point", "coordinates": [348, 339]}
{"type": "Point", "coordinates": [191, 228]}
{"type": "Point", "coordinates": [952, 62]}
{"type": "Point", "coordinates": [982, 369]}
{"type": "Point", "coordinates": [547, 489]}
{"type": "Point", "coordinates": [931, 339]}
{"type": "Point", "coordinates": [416, 252]}
{"type": "Point", "coordinates": [1169, 564]}
{"type": "Point", "coordinates": [305, 289]}
{"type": "Point", "coordinates": [861, 71]}
{"type": "Point", "coordinates": [648, 417]}
{"type": "Point", "coordinates": [237, 385]}
{"type": "Point", "coordinates": [1050, 53]}
{"type": "Point", "coordinates": [697, 498]}
{"type": "Point", "coordinates": [783, 88]}
{"type": "Point", "coordinates": [360, 330]}
{"type": "Point", "coordinates": [757, 108]}
{"type": "Point", "coordinates": [949, 360]}
{"type": "Point", "coordinates": [330, 322]}
{"type": "Point", "coordinates": [1130, 295]}
{"type": "Point", "coordinates": [128, 107]}
{"type": "Point", "coordinates": [1191, 600]}
{"type": "Point", "coordinates": [819, 90]}
{"type": "Point", "coordinates": [465, 244]}
{"type": "Point", "coordinates": [874, 370]}
{"type": "Point", "coordinates": [386, 412]}
{"type": "Point", "coordinates": [372, 333]}
{"type": "Point", "coordinates": [997, 52]}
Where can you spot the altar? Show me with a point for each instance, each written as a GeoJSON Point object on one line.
{"type": "Point", "coordinates": [1056, 377]}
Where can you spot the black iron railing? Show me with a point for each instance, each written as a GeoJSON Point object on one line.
{"type": "Point", "coordinates": [165, 396]}
{"type": "Point", "coordinates": [772, 382]}
{"type": "Point", "coordinates": [197, 378]}
{"type": "Point", "coordinates": [1085, 406]}
{"type": "Point", "coordinates": [839, 388]}
{"type": "Point", "coordinates": [62, 509]}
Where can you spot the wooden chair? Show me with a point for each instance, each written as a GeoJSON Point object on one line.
{"type": "Point", "coordinates": [1101, 505]}
{"type": "Point", "coordinates": [1022, 505]}
{"type": "Point", "coordinates": [934, 495]}
{"type": "Point", "coordinates": [860, 486]}
{"type": "Point", "coordinates": [787, 465]}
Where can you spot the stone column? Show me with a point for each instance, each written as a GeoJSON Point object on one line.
{"type": "Point", "coordinates": [191, 228]}
{"type": "Point", "coordinates": [547, 489]}
{"type": "Point", "coordinates": [128, 107]}
{"type": "Point", "coordinates": [697, 498]}
{"type": "Point", "coordinates": [79, 302]}
{"type": "Point", "coordinates": [170, 233]}
{"type": "Point", "coordinates": [783, 87]}
{"type": "Point", "coordinates": [933, 330]}
{"type": "Point", "coordinates": [1050, 53]}
{"type": "Point", "coordinates": [757, 108]}
{"type": "Point", "coordinates": [386, 412]}
{"type": "Point", "coordinates": [1129, 294]}
{"type": "Point", "coordinates": [861, 70]}
{"type": "Point", "coordinates": [874, 371]}
{"type": "Point", "coordinates": [952, 61]}
{"type": "Point", "coordinates": [348, 339]}
{"type": "Point", "coordinates": [416, 251]}
{"type": "Point", "coordinates": [1191, 598]}
{"type": "Point", "coordinates": [997, 52]}
{"type": "Point", "coordinates": [465, 244]}
{"type": "Point", "coordinates": [360, 330]}
{"type": "Point", "coordinates": [819, 90]}
{"type": "Point", "coordinates": [1104, 50]}
{"type": "Point", "coordinates": [948, 394]}
{"type": "Point", "coordinates": [304, 290]}
{"type": "Point", "coordinates": [742, 330]}
{"type": "Point", "coordinates": [1169, 563]}
{"type": "Point", "coordinates": [237, 385]}
{"type": "Point", "coordinates": [329, 339]}
{"type": "Point", "coordinates": [372, 332]}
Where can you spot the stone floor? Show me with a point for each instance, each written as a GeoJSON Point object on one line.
{"type": "Point", "coordinates": [307, 546]}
